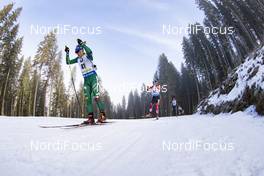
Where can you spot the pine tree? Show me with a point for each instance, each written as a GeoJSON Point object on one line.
{"type": "Point", "coordinates": [10, 63]}
{"type": "Point", "coordinates": [138, 109]}
{"type": "Point", "coordinates": [123, 108]}
{"type": "Point", "coordinates": [43, 64]}
{"type": "Point", "coordinates": [23, 105]}
{"type": "Point", "coordinates": [131, 105]}
{"type": "Point", "coordinates": [58, 97]}
{"type": "Point", "coordinates": [190, 62]}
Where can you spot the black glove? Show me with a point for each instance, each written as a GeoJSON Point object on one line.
{"type": "Point", "coordinates": [67, 50]}
{"type": "Point", "coordinates": [79, 41]}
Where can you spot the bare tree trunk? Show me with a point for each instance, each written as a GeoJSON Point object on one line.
{"type": "Point", "coordinates": [4, 93]}
{"type": "Point", "coordinates": [44, 102]}
{"type": "Point", "coordinates": [11, 107]}
{"type": "Point", "coordinates": [15, 106]}
{"type": "Point", "coordinates": [50, 99]}
{"type": "Point", "coordinates": [208, 76]}
{"type": "Point", "coordinates": [35, 98]}
{"type": "Point", "coordinates": [21, 104]}
{"type": "Point", "coordinates": [45, 97]}
{"type": "Point", "coordinates": [29, 104]}
{"type": "Point", "coordinates": [197, 85]}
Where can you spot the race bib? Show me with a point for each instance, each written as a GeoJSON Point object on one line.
{"type": "Point", "coordinates": [86, 65]}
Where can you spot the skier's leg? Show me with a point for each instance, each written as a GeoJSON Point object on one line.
{"type": "Point", "coordinates": [157, 108]}
{"type": "Point", "coordinates": [100, 103]}
{"type": "Point", "coordinates": [149, 114]}
{"type": "Point", "coordinates": [101, 107]}
{"type": "Point", "coordinates": [150, 107]}
{"type": "Point", "coordinates": [89, 101]}
{"type": "Point", "coordinates": [96, 95]}
{"type": "Point", "coordinates": [174, 111]}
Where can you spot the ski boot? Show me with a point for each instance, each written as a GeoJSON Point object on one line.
{"type": "Point", "coordinates": [90, 120]}
{"type": "Point", "coordinates": [148, 115]}
{"type": "Point", "coordinates": [101, 118]}
{"type": "Point", "coordinates": [156, 115]}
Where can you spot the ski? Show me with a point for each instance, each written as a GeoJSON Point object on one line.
{"type": "Point", "coordinates": [83, 125]}
{"type": "Point", "coordinates": [78, 126]}
{"type": "Point", "coordinates": [72, 125]}
{"type": "Point", "coordinates": [60, 126]}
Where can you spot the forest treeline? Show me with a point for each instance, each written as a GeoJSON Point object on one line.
{"type": "Point", "coordinates": [209, 56]}
{"type": "Point", "coordinates": [35, 86]}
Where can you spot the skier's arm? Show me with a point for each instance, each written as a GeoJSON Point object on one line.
{"type": "Point", "coordinates": [149, 88]}
{"type": "Point", "coordinates": [88, 51]}
{"type": "Point", "coordinates": [70, 61]}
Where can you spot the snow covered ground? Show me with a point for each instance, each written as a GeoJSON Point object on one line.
{"type": "Point", "coordinates": [222, 145]}
{"type": "Point", "coordinates": [250, 73]}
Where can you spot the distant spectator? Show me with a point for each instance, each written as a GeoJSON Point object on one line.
{"type": "Point", "coordinates": [174, 106]}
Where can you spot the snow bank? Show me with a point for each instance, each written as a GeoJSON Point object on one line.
{"type": "Point", "coordinates": [242, 88]}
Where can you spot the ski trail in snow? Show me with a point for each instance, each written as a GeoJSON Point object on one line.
{"type": "Point", "coordinates": [114, 154]}
{"type": "Point", "coordinates": [135, 147]}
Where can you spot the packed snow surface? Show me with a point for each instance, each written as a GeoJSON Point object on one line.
{"type": "Point", "coordinates": [223, 145]}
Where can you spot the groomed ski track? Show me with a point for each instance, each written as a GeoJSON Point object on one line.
{"type": "Point", "coordinates": [133, 147]}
